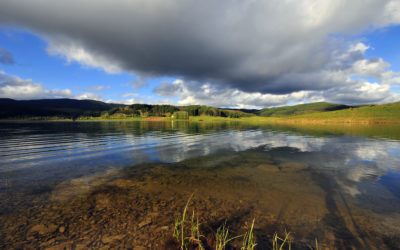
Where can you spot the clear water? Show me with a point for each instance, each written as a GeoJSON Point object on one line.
{"type": "Point", "coordinates": [75, 184]}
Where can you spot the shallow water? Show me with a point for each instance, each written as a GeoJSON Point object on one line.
{"type": "Point", "coordinates": [109, 184]}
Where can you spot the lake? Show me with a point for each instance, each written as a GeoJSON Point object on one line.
{"type": "Point", "coordinates": [122, 184]}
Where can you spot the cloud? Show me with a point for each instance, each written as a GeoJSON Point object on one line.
{"type": "Point", "coordinates": [95, 88]}
{"type": "Point", "coordinates": [89, 96]}
{"type": "Point", "coordinates": [17, 88]}
{"type": "Point", "coordinates": [6, 57]}
{"type": "Point", "coordinates": [130, 95]}
{"type": "Point", "coordinates": [73, 51]}
{"type": "Point", "coordinates": [355, 92]}
{"type": "Point", "coordinates": [207, 94]}
{"type": "Point", "coordinates": [170, 89]}
{"type": "Point", "coordinates": [139, 82]}
{"type": "Point", "coordinates": [128, 101]}
{"type": "Point", "coordinates": [346, 84]}
{"type": "Point", "coordinates": [276, 47]}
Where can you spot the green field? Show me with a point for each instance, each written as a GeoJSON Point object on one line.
{"type": "Point", "coordinates": [301, 109]}
{"type": "Point", "coordinates": [369, 114]}
{"type": "Point", "coordinates": [385, 113]}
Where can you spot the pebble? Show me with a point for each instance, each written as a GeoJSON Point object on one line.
{"type": "Point", "coordinates": [43, 229]}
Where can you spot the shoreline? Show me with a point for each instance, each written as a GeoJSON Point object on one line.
{"type": "Point", "coordinates": [257, 119]}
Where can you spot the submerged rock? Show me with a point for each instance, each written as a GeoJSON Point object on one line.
{"type": "Point", "coordinates": [43, 229]}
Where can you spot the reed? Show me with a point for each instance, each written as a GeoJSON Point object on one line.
{"type": "Point", "coordinates": [179, 227]}
{"type": "Point", "coordinates": [249, 241]}
{"type": "Point", "coordinates": [222, 237]}
{"type": "Point", "coordinates": [279, 243]}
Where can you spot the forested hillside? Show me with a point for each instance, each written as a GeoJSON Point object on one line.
{"type": "Point", "coordinates": [67, 108]}
{"type": "Point", "coordinates": [73, 109]}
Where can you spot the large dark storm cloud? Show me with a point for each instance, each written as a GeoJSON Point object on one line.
{"type": "Point", "coordinates": [274, 46]}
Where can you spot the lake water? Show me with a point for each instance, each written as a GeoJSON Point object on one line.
{"type": "Point", "coordinates": [121, 184]}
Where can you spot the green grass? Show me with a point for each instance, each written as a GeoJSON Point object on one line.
{"type": "Point", "coordinates": [195, 236]}
{"type": "Point", "coordinates": [179, 226]}
{"type": "Point", "coordinates": [188, 235]}
{"type": "Point", "coordinates": [222, 238]}
{"type": "Point", "coordinates": [211, 119]}
{"type": "Point", "coordinates": [301, 109]}
{"type": "Point", "coordinates": [368, 114]}
{"type": "Point", "coordinates": [251, 119]}
{"type": "Point", "coordinates": [384, 113]}
{"type": "Point", "coordinates": [249, 241]}
{"type": "Point", "coordinates": [279, 243]}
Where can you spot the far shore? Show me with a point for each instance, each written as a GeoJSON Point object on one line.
{"type": "Point", "coordinates": [291, 120]}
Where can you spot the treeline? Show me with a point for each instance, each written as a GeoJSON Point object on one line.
{"type": "Point", "coordinates": [147, 110]}
{"type": "Point", "coordinates": [82, 109]}
{"type": "Point", "coordinates": [142, 110]}
{"type": "Point", "coordinates": [198, 110]}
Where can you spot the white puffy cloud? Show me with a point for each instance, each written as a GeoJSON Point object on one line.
{"type": "Point", "coordinates": [373, 67]}
{"type": "Point", "coordinates": [17, 88]}
{"type": "Point", "coordinates": [72, 51]}
{"type": "Point", "coordinates": [89, 96]}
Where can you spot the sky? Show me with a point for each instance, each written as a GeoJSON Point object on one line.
{"type": "Point", "coordinates": [225, 53]}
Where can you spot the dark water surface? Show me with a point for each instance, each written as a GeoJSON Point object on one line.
{"type": "Point", "coordinates": [119, 184]}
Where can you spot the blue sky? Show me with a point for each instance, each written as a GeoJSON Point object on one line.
{"type": "Point", "coordinates": [32, 61]}
{"type": "Point", "coordinates": [155, 60]}
{"type": "Point", "coordinates": [385, 44]}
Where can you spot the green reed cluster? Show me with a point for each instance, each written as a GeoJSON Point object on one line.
{"type": "Point", "coordinates": [187, 233]}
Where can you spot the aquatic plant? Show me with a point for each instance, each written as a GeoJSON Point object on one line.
{"type": "Point", "coordinates": [194, 239]}
{"type": "Point", "coordinates": [221, 237]}
{"type": "Point", "coordinates": [249, 242]}
{"type": "Point", "coordinates": [278, 243]}
{"type": "Point", "coordinates": [179, 227]}
{"type": "Point", "coordinates": [195, 232]}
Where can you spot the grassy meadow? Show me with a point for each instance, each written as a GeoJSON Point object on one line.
{"type": "Point", "coordinates": [385, 113]}
{"type": "Point", "coordinates": [369, 114]}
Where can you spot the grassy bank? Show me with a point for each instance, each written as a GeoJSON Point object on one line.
{"type": "Point", "coordinates": [301, 109]}
{"type": "Point", "coordinates": [371, 114]}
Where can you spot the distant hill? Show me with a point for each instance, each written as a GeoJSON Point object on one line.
{"type": "Point", "coordinates": [301, 109]}
{"type": "Point", "coordinates": [362, 114]}
{"type": "Point", "coordinates": [89, 109]}
{"type": "Point", "coordinates": [70, 108]}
